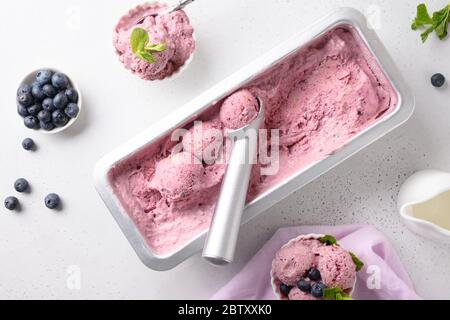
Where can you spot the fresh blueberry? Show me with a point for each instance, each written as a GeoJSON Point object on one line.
{"type": "Point", "coordinates": [317, 289]}
{"type": "Point", "coordinates": [285, 289]}
{"type": "Point", "coordinates": [72, 110]}
{"type": "Point", "coordinates": [22, 111]}
{"type": "Point", "coordinates": [72, 94]}
{"type": "Point", "coordinates": [37, 92]}
{"type": "Point", "coordinates": [314, 274]}
{"type": "Point", "coordinates": [25, 99]}
{"type": "Point", "coordinates": [438, 80]}
{"type": "Point", "coordinates": [47, 105]}
{"type": "Point", "coordinates": [34, 109]}
{"type": "Point", "coordinates": [31, 122]}
{"type": "Point", "coordinates": [59, 118]}
{"type": "Point", "coordinates": [21, 185]}
{"type": "Point", "coordinates": [11, 203]}
{"type": "Point", "coordinates": [28, 144]}
{"type": "Point", "coordinates": [60, 101]}
{"type": "Point", "coordinates": [44, 116]}
{"type": "Point", "coordinates": [304, 285]}
{"type": "Point", "coordinates": [49, 90]}
{"type": "Point", "coordinates": [44, 77]}
{"type": "Point", "coordinates": [52, 201]}
{"type": "Point", "coordinates": [25, 88]}
{"type": "Point", "coordinates": [47, 126]}
{"type": "Point", "coordinates": [60, 81]}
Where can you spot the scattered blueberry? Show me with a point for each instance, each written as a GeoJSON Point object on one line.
{"type": "Point", "coordinates": [47, 105]}
{"type": "Point", "coordinates": [52, 201]}
{"type": "Point", "coordinates": [37, 92]}
{"type": "Point", "coordinates": [44, 76]}
{"type": "Point", "coordinates": [47, 126]}
{"type": "Point", "coordinates": [285, 289]}
{"type": "Point", "coordinates": [317, 289]}
{"type": "Point", "coordinates": [24, 89]}
{"type": "Point", "coordinates": [21, 185]}
{"type": "Point", "coordinates": [60, 101]}
{"type": "Point", "coordinates": [31, 122]}
{"type": "Point", "coordinates": [44, 116]}
{"type": "Point", "coordinates": [59, 118]}
{"type": "Point", "coordinates": [60, 81]}
{"type": "Point", "coordinates": [438, 80]}
{"type": "Point", "coordinates": [28, 144]}
{"type": "Point", "coordinates": [72, 110]}
{"type": "Point", "coordinates": [25, 99]}
{"type": "Point", "coordinates": [11, 203]}
{"type": "Point", "coordinates": [304, 285]}
{"type": "Point", "coordinates": [34, 109]}
{"type": "Point", "coordinates": [314, 274]}
{"type": "Point", "coordinates": [22, 111]}
{"type": "Point", "coordinates": [49, 90]}
{"type": "Point", "coordinates": [72, 94]}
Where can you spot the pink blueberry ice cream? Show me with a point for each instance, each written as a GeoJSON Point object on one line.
{"type": "Point", "coordinates": [239, 110]}
{"type": "Point", "coordinates": [318, 98]}
{"type": "Point", "coordinates": [332, 267]}
{"type": "Point", "coordinates": [204, 141]}
{"type": "Point", "coordinates": [173, 29]}
{"type": "Point", "coordinates": [177, 177]}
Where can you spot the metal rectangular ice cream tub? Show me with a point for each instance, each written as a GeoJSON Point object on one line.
{"type": "Point", "coordinates": [189, 112]}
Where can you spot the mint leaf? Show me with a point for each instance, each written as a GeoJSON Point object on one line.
{"type": "Point", "coordinates": [138, 43]}
{"type": "Point", "coordinates": [424, 35]}
{"type": "Point", "coordinates": [157, 47]}
{"type": "Point", "coordinates": [335, 294]}
{"type": "Point", "coordinates": [358, 263]}
{"type": "Point", "coordinates": [438, 22]}
{"type": "Point", "coordinates": [422, 17]}
{"type": "Point", "coordinates": [138, 40]}
{"type": "Point", "coordinates": [441, 22]}
{"type": "Point", "coordinates": [328, 240]}
{"type": "Point", "coordinates": [146, 56]}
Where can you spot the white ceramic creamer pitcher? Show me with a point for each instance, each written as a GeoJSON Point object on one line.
{"type": "Point", "coordinates": [424, 204]}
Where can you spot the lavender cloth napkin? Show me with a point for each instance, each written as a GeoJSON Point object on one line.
{"type": "Point", "coordinates": [383, 276]}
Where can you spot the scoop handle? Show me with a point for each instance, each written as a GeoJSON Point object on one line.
{"type": "Point", "coordinates": [224, 230]}
{"type": "Point", "coordinates": [180, 5]}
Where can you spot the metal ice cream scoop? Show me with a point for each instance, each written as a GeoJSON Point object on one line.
{"type": "Point", "coordinates": [222, 237]}
{"type": "Point", "coordinates": [179, 6]}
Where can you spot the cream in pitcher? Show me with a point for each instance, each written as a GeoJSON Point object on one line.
{"type": "Point", "coordinates": [424, 204]}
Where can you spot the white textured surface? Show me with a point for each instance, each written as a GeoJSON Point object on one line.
{"type": "Point", "coordinates": [37, 246]}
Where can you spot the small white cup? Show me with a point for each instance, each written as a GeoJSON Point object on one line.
{"type": "Point", "coordinates": [276, 286]}
{"type": "Point", "coordinates": [31, 77]}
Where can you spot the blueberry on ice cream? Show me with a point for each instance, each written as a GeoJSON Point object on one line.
{"type": "Point", "coordinates": [315, 269]}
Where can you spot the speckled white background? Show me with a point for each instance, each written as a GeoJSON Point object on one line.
{"type": "Point", "coordinates": [38, 246]}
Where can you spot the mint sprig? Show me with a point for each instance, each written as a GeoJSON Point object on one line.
{"type": "Point", "coordinates": [335, 294]}
{"type": "Point", "coordinates": [358, 263]}
{"type": "Point", "coordinates": [328, 240]}
{"type": "Point", "coordinates": [139, 43]}
{"type": "Point", "coordinates": [438, 22]}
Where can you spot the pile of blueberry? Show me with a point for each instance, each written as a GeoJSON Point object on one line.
{"type": "Point", "coordinates": [309, 283]}
{"type": "Point", "coordinates": [52, 201]}
{"type": "Point", "coordinates": [49, 102]}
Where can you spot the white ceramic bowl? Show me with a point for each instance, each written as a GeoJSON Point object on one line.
{"type": "Point", "coordinates": [30, 78]}
{"type": "Point", "coordinates": [186, 64]}
{"type": "Point", "coordinates": [275, 285]}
